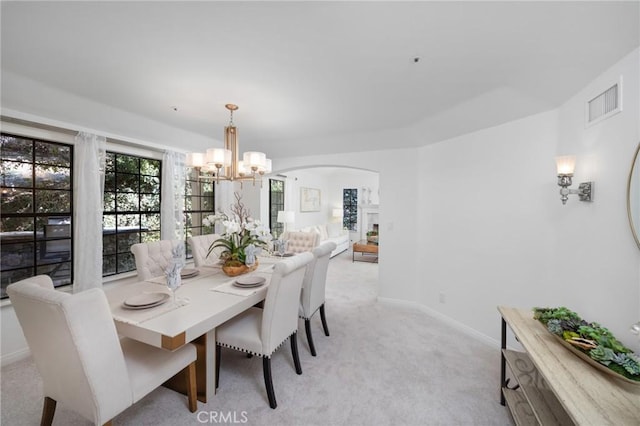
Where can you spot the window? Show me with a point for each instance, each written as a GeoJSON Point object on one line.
{"type": "Point", "coordinates": [350, 209]}
{"type": "Point", "coordinates": [36, 207]}
{"type": "Point", "coordinates": [131, 209]}
{"type": "Point", "coordinates": [199, 201]}
{"type": "Point", "coordinates": [276, 203]}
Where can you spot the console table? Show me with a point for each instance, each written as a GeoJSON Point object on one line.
{"type": "Point", "coordinates": [555, 387]}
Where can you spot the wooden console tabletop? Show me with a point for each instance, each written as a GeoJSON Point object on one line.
{"type": "Point", "coordinates": [588, 396]}
{"type": "Point", "coordinates": [365, 247]}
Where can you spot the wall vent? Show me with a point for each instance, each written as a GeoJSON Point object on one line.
{"type": "Point", "coordinates": [605, 104]}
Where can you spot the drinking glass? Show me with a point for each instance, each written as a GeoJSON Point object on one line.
{"type": "Point", "coordinates": [282, 247]}
{"type": "Point", "coordinates": [173, 282]}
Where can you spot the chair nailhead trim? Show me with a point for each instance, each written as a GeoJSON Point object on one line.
{"type": "Point", "coordinates": [224, 345]}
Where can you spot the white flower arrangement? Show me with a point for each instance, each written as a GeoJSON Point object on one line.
{"type": "Point", "coordinates": [240, 233]}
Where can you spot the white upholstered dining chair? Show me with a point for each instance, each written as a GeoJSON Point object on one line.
{"type": "Point", "coordinates": [83, 363]}
{"type": "Point", "coordinates": [313, 287]}
{"type": "Point", "coordinates": [261, 331]}
{"type": "Point", "coordinates": [152, 258]}
{"type": "Point", "coordinates": [200, 247]}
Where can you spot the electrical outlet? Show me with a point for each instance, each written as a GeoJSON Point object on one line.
{"type": "Point", "coordinates": [442, 297]}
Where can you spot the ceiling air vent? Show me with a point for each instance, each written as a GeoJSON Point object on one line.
{"type": "Point", "coordinates": [605, 104]}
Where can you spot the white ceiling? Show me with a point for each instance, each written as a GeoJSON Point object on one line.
{"type": "Point", "coordinates": [314, 77]}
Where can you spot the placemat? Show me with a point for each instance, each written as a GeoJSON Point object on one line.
{"type": "Point", "coordinates": [204, 272]}
{"type": "Point", "coordinates": [137, 316]}
{"type": "Point", "coordinates": [229, 288]}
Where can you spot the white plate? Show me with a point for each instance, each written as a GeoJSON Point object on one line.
{"type": "Point", "coordinates": [146, 300]}
{"type": "Point", "coordinates": [247, 286]}
{"type": "Point", "coordinates": [153, 305]}
{"type": "Point", "coordinates": [188, 273]}
{"type": "Point", "coordinates": [250, 281]}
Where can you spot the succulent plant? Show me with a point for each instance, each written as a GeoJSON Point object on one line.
{"type": "Point", "coordinates": [631, 363]}
{"type": "Point", "coordinates": [603, 347]}
{"type": "Point", "coordinates": [554, 326]}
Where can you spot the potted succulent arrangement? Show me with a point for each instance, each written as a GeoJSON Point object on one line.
{"type": "Point", "coordinates": [592, 342]}
{"type": "Point", "coordinates": [241, 240]}
{"type": "Point", "coordinates": [372, 237]}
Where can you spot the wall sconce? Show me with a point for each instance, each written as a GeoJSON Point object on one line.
{"type": "Point", "coordinates": [566, 165]}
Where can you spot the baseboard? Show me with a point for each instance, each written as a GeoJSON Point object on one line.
{"type": "Point", "coordinates": [471, 332]}
{"type": "Point", "coordinates": [14, 357]}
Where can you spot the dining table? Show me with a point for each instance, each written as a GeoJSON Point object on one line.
{"type": "Point", "coordinates": [205, 299]}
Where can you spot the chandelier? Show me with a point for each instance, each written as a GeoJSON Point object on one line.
{"type": "Point", "coordinates": [223, 164]}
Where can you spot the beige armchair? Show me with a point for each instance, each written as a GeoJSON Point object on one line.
{"type": "Point", "coordinates": [299, 242]}
{"type": "Point", "coordinates": [262, 331]}
{"type": "Point", "coordinates": [313, 288]}
{"type": "Point", "coordinates": [83, 364]}
{"type": "Point", "coordinates": [153, 258]}
{"type": "Point", "coordinates": [200, 247]}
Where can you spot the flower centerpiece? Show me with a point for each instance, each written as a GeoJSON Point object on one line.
{"type": "Point", "coordinates": [241, 240]}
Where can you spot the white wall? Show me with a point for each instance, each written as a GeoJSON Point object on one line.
{"type": "Point", "coordinates": [307, 179]}
{"type": "Point", "coordinates": [479, 218]}
{"type": "Point", "coordinates": [14, 346]}
{"type": "Point", "coordinates": [31, 100]}
{"type": "Point", "coordinates": [485, 236]}
{"type": "Point", "coordinates": [497, 232]}
{"type": "Point", "coordinates": [398, 183]}
{"type": "Point", "coordinates": [331, 181]}
{"type": "Point", "coordinates": [603, 271]}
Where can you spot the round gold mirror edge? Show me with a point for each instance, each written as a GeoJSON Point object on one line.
{"type": "Point", "coordinates": [634, 231]}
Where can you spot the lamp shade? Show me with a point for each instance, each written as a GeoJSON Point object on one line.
{"type": "Point", "coordinates": [195, 159]}
{"type": "Point", "coordinates": [336, 213]}
{"type": "Point", "coordinates": [219, 156]}
{"type": "Point", "coordinates": [254, 159]}
{"type": "Point", "coordinates": [267, 167]}
{"type": "Point", "coordinates": [242, 169]}
{"type": "Point", "coordinates": [566, 164]}
{"type": "Point", "coordinates": [286, 216]}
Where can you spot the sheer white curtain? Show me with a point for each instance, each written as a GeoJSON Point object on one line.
{"type": "Point", "coordinates": [88, 189]}
{"type": "Point", "coordinates": [172, 196]}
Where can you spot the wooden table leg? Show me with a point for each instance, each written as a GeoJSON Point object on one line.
{"type": "Point", "coordinates": [205, 369]}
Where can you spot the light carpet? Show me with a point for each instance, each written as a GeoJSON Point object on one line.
{"type": "Point", "coordinates": [384, 364]}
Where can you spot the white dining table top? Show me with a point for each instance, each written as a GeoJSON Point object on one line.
{"type": "Point", "coordinates": [201, 310]}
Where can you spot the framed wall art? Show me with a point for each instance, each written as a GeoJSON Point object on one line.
{"type": "Point", "coordinates": [309, 200]}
